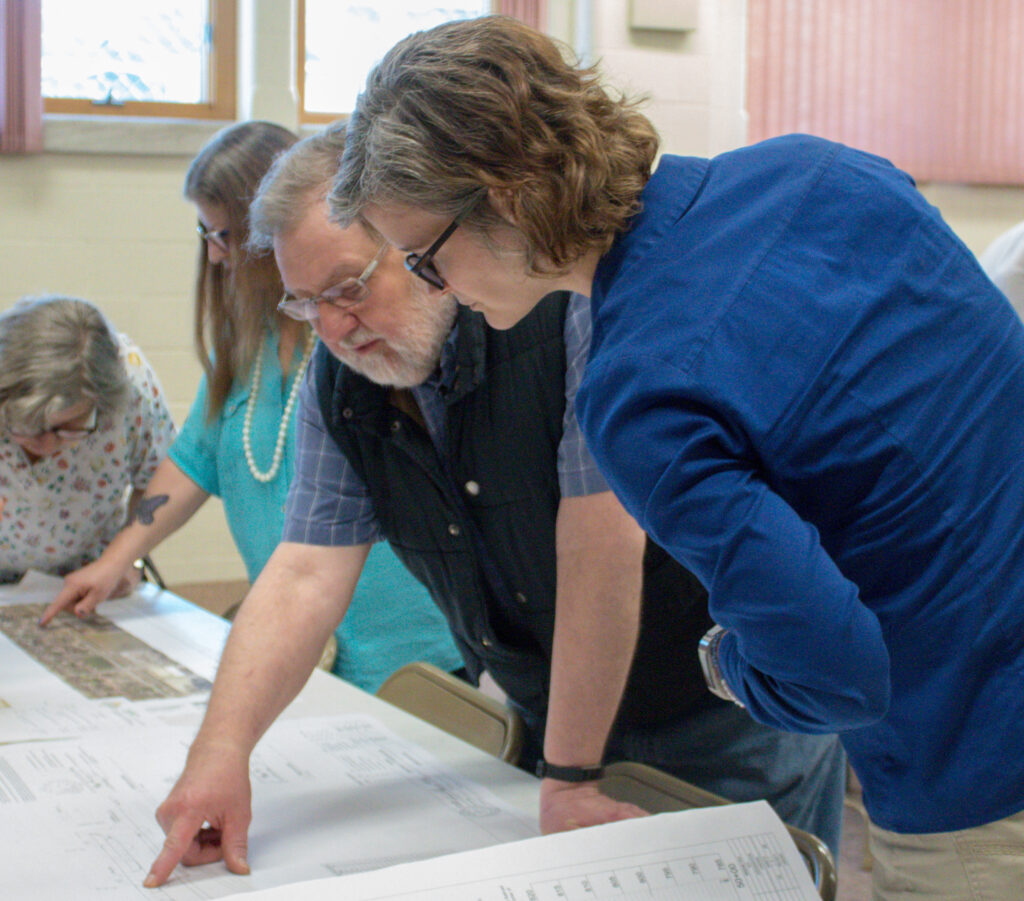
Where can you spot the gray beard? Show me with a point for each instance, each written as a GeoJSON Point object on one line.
{"type": "Point", "coordinates": [412, 360]}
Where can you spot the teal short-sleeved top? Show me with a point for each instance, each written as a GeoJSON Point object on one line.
{"type": "Point", "coordinates": [391, 620]}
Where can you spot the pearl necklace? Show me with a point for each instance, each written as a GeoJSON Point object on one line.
{"type": "Point", "coordinates": [282, 429]}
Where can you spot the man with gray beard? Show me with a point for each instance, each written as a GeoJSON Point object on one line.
{"type": "Point", "coordinates": [546, 582]}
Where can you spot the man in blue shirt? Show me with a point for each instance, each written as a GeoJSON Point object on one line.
{"type": "Point", "coordinates": [415, 373]}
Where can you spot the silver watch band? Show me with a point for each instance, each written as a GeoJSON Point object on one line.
{"type": "Point", "coordinates": [707, 652]}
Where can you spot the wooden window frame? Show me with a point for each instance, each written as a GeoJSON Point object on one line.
{"type": "Point", "coordinates": [307, 118]}
{"type": "Point", "coordinates": [223, 24]}
{"type": "Point", "coordinates": [311, 118]}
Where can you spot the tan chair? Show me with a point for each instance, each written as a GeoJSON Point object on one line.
{"type": "Point", "coordinates": [458, 708]}
{"type": "Point", "coordinates": [658, 792]}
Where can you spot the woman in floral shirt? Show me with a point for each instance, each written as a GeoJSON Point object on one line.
{"type": "Point", "coordinates": [83, 425]}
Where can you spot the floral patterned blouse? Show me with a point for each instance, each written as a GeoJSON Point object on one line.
{"type": "Point", "coordinates": [63, 510]}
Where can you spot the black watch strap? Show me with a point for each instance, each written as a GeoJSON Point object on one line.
{"type": "Point", "coordinates": [568, 773]}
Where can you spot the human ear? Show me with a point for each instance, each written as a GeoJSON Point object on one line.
{"type": "Point", "coordinates": [503, 202]}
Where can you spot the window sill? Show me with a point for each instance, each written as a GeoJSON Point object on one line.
{"type": "Point", "coordinates": [124, 135]}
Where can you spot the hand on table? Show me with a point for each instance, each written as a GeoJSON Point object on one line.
{"type": "Point", "coordinates": [86, 588]}
{"type": "Point", "coordinates": [573, 805]}
{"type": "Point", "coordinates": [206, 816]}
{"type": "Point", "coordinates": [128, 582]}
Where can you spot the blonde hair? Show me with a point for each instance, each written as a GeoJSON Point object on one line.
{"type": "Point", "coordinates": [491, 103]}
{"type": "Point", "coordinates": [56, 352]}
{"type": "Point", "coordinates": [234, 305]}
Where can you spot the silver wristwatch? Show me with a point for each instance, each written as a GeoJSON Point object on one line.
{"type": "Point", "coordinates": [707, 652]}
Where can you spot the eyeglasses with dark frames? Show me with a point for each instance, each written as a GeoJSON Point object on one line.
{"type": "Point", "coordinates": [62, 432]}
{"type": "Point", "coordinates": [344, 296]}
{"type": "Point", "coordinates": [218, 238]}
{"type": "Point", "coordinates": [422, 264]}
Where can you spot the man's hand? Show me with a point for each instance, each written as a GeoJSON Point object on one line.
{"type": "Point", "coordinates": [206, 816]}
{"type": "Point", "coordinates": [86, 588]}
{"type": "Point", "coordinates": [573, 805]}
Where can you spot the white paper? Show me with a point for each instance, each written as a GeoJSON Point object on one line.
{"type": "Point", "coordinates": [149, 645]}
{"type": "Point", "coordinates": [47, 721]}
{"type": "Point", "coordinates": [729, 853]}
{"type": "Point", "coordinates": [331, 795]}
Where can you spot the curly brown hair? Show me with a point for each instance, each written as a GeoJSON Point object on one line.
{"type": "Point", "coordinates": [491, 103]}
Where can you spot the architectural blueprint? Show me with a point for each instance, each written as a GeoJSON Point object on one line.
{"type": "Point", "coordinates": [738, 852]}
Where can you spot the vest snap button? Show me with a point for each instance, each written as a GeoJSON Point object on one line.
{"type": "Point", "coordinates": [395, 426]}
{"type": "Point", "coordinates": [472, 488]}
{"type": "Point", "coordinates": [485, 641]}
{"type": "Point", "coordinates": [453, 529]}
{"type": "Point", "coordinates": [520, 597]}
{"type": "Point", "coordinates": [347, 412]}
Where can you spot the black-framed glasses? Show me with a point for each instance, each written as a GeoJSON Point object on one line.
{"type": "Point", "coordinates": [217, 237]}
{"type": "Point", "coordinates": [64, 433]}
{"type": "Point", "coordinates": [422, 264]}
{"type": "Point", "coordinates": [344, 296]}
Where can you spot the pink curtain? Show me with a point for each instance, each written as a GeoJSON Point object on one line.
{"type": "Point", "coordinates": [532, 12]}
{"type": "Point", "coordinates": [21, 101]}
{"type": "Point", "coordinates": [937, 86]}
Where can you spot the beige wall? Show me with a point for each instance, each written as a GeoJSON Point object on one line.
{"type": "Point", "coordinates": [695, 82]}
{"type": "Point", "coordinates": [113, 227]}
{"type": "Point", "coordinates": [115, 230]}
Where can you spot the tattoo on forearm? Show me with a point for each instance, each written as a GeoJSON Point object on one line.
{"type": "Point", "coordinates": [145, 508]}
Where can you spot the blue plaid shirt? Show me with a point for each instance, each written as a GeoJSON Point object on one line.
{"type": "Point", "coordinates": [328, 504]}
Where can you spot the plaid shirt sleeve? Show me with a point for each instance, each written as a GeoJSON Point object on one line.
{"type": "Point", "coordinates": [328, 504]}
{"type": "Point", "coordinates": [577, 472]}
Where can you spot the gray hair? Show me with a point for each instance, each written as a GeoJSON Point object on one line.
{"type": "Point", "coordinates": [54, 353]}
{"type": "Point", "coordinates": [298, 178]}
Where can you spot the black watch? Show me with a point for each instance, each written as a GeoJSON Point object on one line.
{"type": "Point", "coordinates": [547, 770]}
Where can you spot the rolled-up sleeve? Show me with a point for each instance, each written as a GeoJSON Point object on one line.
{"type": "Point", "coordinates": [578, 473]}
{"type": "Point", "coordinates": [804, 653]}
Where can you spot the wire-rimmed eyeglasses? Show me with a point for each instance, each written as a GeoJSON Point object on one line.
{"type": "Point", "coordinates": [343, 296]}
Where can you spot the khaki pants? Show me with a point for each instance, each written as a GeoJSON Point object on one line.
{"type": "Point", "coordinates": [981, 864]}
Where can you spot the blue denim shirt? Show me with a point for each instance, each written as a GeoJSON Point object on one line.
{"type": "Point", "coordinates": [802, 385]}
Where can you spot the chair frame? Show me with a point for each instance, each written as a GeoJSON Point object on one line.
{"type": "Point", "coordinates": [453, 705]}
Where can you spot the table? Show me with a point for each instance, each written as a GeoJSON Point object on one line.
{"type": "Point", "coordinates": [341, 774]}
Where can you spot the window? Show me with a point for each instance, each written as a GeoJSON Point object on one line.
{"type": "Point", "coordinates": [123, 57]}
{"type": "Point", "coordinates": [340, 42]}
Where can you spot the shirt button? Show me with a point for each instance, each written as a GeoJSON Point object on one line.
{"type": "Point", "coordinates": [453, 529]}
{"type": "Point", "coordinates": [485, 641]}
{"type": "Point", "coordinates": [520, 597]}
{"type": "Point", "coordinates": [472, 488]}
{"type": "Point", "coordinates": [347, 412]}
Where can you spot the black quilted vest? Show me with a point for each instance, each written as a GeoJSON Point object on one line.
{"type": "Point", "coordinates": [477, 528]}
